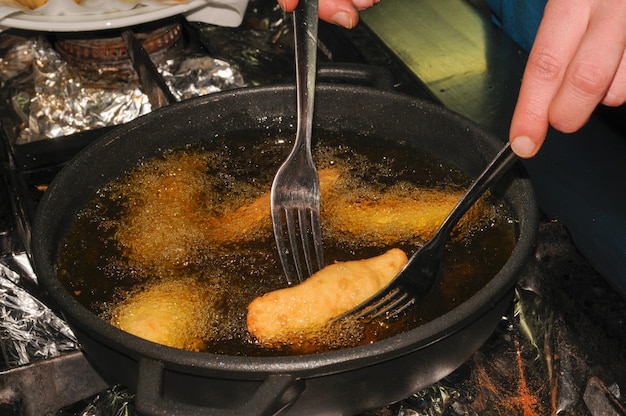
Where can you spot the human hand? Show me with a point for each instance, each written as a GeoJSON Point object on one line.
{"type": "Point", "coordinates": [577, 61]}
{"type": "Point", "coordinates": [343, 13]}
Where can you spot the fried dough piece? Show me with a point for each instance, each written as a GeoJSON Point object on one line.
{"type": "Point", "coordinates": [176, 313]}
{"type": "Point", "coordinates": [276, 316]}
{"type": "Point", "coordinates": [242, 223]}
{"type": "Point", "coordinates": [164, 215]}
{"type": "Point", "coordinates": [393, 218]}
{"type": "Point", "coordinates": [249, 219]}
{"type": "Point", "coordinates": [328, 178]}
{"type": "Point", "coordinates": [167, 218]}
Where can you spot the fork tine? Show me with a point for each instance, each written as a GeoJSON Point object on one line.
{"type": "Point", "coordinates": [396, 305]}
{"type": "Point", "coordinates": [304, 238]}
{"type": "Point", "coordinates": [311, 229]}
{"type": "Point", "coordinates": [278, 215]}
{"type": "Point", "coordinates": [388, 303]}
{"type": "Point", "coordinates": [308, 227]}
{"type": "Point", "coordinates": [316, 229]}
{"type": "Point", "coordinates": [294, 236]}
{"type": "Point", "coordinates": [378, 305]}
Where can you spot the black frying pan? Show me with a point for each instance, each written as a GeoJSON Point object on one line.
{"type": "Point", "coordinates": [171, 381]}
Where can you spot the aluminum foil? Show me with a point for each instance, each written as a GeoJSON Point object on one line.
{"type": "Point", "coordinates": [16, 59]}
{"type": "Point", "coordinates": [30, 331]}
{"type": "Point", "coordinates": [200, 75]}
{"type": "Point", "coordinates": [53, 100]}
{"type": "Point", "coordinates": [116, 401]}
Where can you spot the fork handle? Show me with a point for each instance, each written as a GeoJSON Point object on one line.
{"type": "Point", "coordinates": [305, 29]}
{"type": "Point", "coordinates": [498, 166]}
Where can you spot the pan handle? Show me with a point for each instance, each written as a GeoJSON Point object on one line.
{"type": "Point", "coordinates": [275, 393]}
{"type": "Point", "coordinates": [358, 74]}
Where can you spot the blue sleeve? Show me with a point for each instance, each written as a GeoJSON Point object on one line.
{"type": "Point", "coordinates": [519, 18]}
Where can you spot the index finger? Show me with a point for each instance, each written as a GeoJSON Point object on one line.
{"type": "Point", "coordinates": [560, 32]}
{"type": "Point", "coordinates": [288, 5]}
{"type": "Point", "coordinates": [340, 12]}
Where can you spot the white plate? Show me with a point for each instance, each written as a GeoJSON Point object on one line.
{"type": "Point", "coordinates": [228, 13]}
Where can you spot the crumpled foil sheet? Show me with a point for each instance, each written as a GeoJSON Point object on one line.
{"type": "Point", "coordinates": [200, 75]}
{"type": "Point", "coordinates": [30, 331]}
{"type": "Point", "coordinates": [53, 100]}
{"type": "Point", "coordinates": [116, 401]}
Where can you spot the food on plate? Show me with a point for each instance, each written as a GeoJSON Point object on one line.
{"type": "Point", "coordinates": [33, 4]}
{"type": "Point", "coordinates": [172, 312]}
{"type": "Point", "coordinates": [308, 306]}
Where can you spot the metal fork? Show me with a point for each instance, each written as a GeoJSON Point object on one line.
{"type": "Point", "coordinates": [419, 275]}
{"type": "Point", "coordinates": [295, 195]}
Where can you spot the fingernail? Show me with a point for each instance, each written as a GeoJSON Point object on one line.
{"type": "Point", "coordinates": [343, 19]}
{"type": "Point", "coordinates": [523, 146]}
{"type": "Point", "coordinates": [364, 4]}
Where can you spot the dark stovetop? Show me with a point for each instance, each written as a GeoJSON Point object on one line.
{"type": "Point", "coordinates": [560, 347]}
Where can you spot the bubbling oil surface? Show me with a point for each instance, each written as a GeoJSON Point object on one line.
{"type": "Point", "coordinates": [153, 224]}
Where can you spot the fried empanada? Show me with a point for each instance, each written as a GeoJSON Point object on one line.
{"type": "Point", "coordinates": [391, 219]}
{"type": "Point", "coordinates": [250, 219]}
{"type": "Point", "coordinates": [167, 212]}
{"type": "Point", "coordinates": [276, 316]}
{"type": "Point", "coordinates": [176, 313]}
{"type": "Point", "coordinates": [164, 216]}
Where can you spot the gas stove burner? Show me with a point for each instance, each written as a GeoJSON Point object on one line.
{"type": "Point", "coordinates": [108, 48]}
